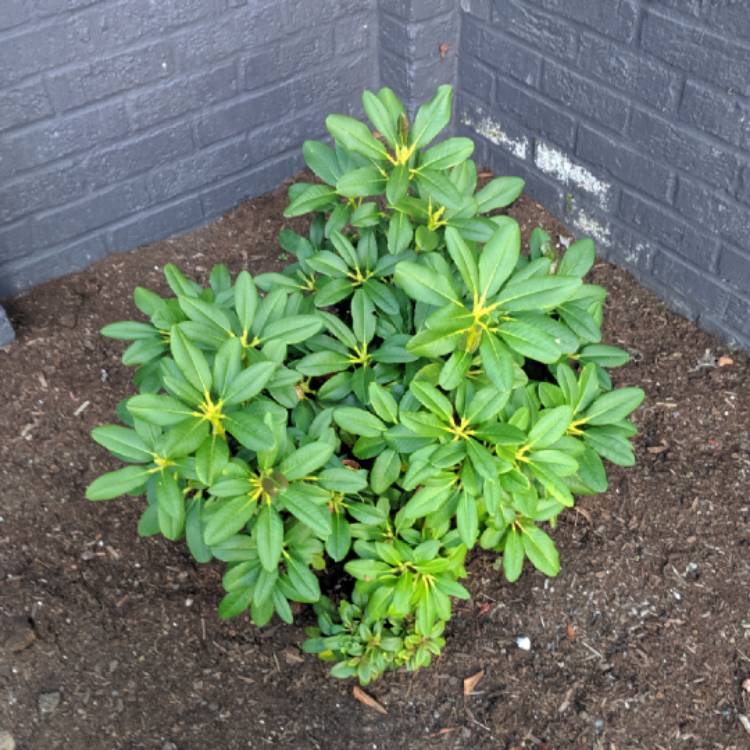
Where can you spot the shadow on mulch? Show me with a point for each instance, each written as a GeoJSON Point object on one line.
{"type": "Point", "coordinates": [111, 641]}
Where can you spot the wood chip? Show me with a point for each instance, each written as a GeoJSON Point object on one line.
{"type": "Point", "coordinates": [368, 700]}
{"type": "Point", "coordinates": [471, 682]}
{"type": "Point", "coordinates": [746, 685]}
{"type": "Point", "coordinates": [570, 631]}
{"type": "Point", "coordinates": [725, 361]}
{"type": "Point", "coordinates": [745, 722]}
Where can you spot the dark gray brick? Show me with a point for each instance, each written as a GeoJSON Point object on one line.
{"type": "Point", "coordinates": [15, 240]}
{"type": "Point", "coordinates": [623, 163]}
{"type": "Point", "coordinates": [198, 170]}
{"type": "Point", "coordinates": [274, 141]}
{"type": "Point", "coordinates": [662, 227]}
{"type": "Point", "coordinates": [17, 277]}
{"type": "Point", "coordinates": [688, 7]}
{"type": "Point", "coordinates": [728, 16]}
{"type": "Point", "coordinates": [278, 62]}
{"type": "Point", "coordinates": [679, 148]}
{"type": "Point", "coordinates": [50, 140]}
{"type": "Point", "coordinates": [527, 107]}
{"type": "Point", "coordinates": [394, 72]}
{"type": "Point", "coordinates": [353, 33]}
{"type": "Point", "coordinates": [474, 77]}
{"type": "Point", "coordinates": [743, 193]}
{"type": "Point", "coordinates": [416, 10]}
{"type": "Point", "coordinates": [584, 97]}
{"type": "Point", "coordinates": [76, 219]}
{"type": "Point", "coordinates": [20, 105]}
{"type": "Point", "coordinates": [419, 39]}
{"type": "Point", "coordinates": [625, 69]}
{"type": "Point", "coordinates": [156, 224]}
{"type": "Point", "coordinates": [709, 210]}
{"type": "Point", "coordinates": [52, 7]}
{"type": "Point", "coordinates": [499, 52]}
{"type": "Point", "coordinates": [38, 48]}
{"type": "Point", "coordinates": [167, 101]}
{"type": "Point", "coordinates": [102, 78]}
{"type": "Point", "coordinates": [7, 334]}
{"type": "Point", "coordinates": [37, 192]}
{"type": "Point", "coordinates": [734, 268]}
{"type": "Point", "coordinates": [716, 113]}
{"type": "Point", "coordinates": [707, 56]}
{"type": "Point", "coordinates": [14, 13]}
{"type": "Point", "coordinates": [540, 30]}
{"type": "Point", "coordinates": [693, 285]}
{"type": "Point", "coordinates": [615, 18]}
{"type": "Point", "coordinates": [737, 316]}
{"type": "Point", "coordinates": [477, 9]}
{"type": "Point", "coordinates": [228, 193]}
{"type": "Point", "coordinates": [141, 154]}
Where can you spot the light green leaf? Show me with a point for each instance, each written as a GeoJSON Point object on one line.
{"type": "Point", "coordinates": [191, 361]}
{"type": "Point", "coordinates": [498, 258]}
{"type": "Point", "coordinates": [115, 483]}
{"type": "Point", "coordinates": [358, 421]}
{"type": "Point", "coordinates": [550, 427]}
{"type": "Point", "coordinates": [360, 183]}
{"type": "Point", "coordinates": [613, 406]}
{"type": "Point", "coordinates": [540, 549]}
{"type": "Point", "coordinates": [355, 136]}
{"type": "Point", "coordinates": [305, 460]}
{"type": "Point", "coordinates": [499, 193]}
{"type": "Point", "coordinates": [424, 285]}
{"type": "Point", "coordinates": [269, 536]}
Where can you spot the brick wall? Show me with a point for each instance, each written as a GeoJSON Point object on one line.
{"type": "Point", "coordinates": [124, 121]}
{"type": "Point", "coordinates": [630, 119]}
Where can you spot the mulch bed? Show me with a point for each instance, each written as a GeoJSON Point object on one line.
{"type": "Point", "coordinates": [112, 641]}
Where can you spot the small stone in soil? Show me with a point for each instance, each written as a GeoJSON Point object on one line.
{"type": "Point", "coordinates": [169, 745]}
{"type": "Point", "coordinates": [523, 642]}
{"type": "Point", "coordinates": [21, 635]}
{"type": "Point", "coordinates": [49, 701]}
{"type": "Point", "coordinates": [6, 741]}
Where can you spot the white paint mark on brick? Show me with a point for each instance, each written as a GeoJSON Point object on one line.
{"type": "Point", "coordinates": [592, 227]}
{"type": "Point", "coordinates": [556, 163]}
{"type": "Point", "coordinates": [493, 131]}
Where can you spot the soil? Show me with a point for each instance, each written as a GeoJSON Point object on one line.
{"type": "Point", "coordinates": [112, 641]}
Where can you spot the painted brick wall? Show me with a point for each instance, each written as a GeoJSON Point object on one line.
{"type": "Point", "coordinates": [630, 119]}
{"type": "Point", "coordinates": [124, 121]}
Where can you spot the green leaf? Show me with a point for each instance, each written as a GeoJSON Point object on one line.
{"type": "Point", "coordinates": [453, 371]}
{"type": "Point", "coordinates": [312, 198]}
{"type": "Point", "coordinates": [303, 580]}
{"type": "Point", "coordinates": [130, 330]}
{"type": "Point", "coordinates": [235, 603]}
{"type": "Point", "coordinates": [160, 410]}
{"type": "Point", "coordinates": [513, 554]}
{"type": "Point", "coordinates": [122, 441]}
{"type": "Point", "coordinates": [344, 480]}
{"type": "Point", "coordinates": [610, 444]}
{"type": "Point", "coordinates": [550, 427]}
{"type": "Point", "coordinates": [245, 300]}
{"type": "Point", "coordinates": [366, 570]}
{"type": "Point", "coordinates": [432, 117]}
{"type": "Point", "coordinates": [184, 438]}
{"type": "Point", "coordinates": [249, 430]}
{"type": "Point", "coordinates": [170, 502]}
{"type": "Point", "coordinates": [426, 501]}
{"type": "Point", "coordinates": [591, 471]}
{"type": "Point", "coordinates": [305, 460]}
{"type": "Point", "coordinates": [540, 549]}
{"type": "Point", "coordinates": [496, 361]}
{"type": "Point", "coordinates": [499, 193]}
{"type": "Point", "coordinates": [116, 483]}
{"type": "Point", "coordinates": [190, 360]}
{"type": "Point", "coordinates": [398, 184]}
{"type": "Point", "coordinates": [400, 232]}
{"type": "Point", "coordinates": [613, 406]}
{"type": "Point", "coordinates": [385, 471]}
{"type": "Point", "coordinates": [530, 341]}
{"type": "Point", "coordinates": [464, 259]}
{"type": "Point", "coordinates": [206, 313]}
{"type": "Point", "coordinates": [537, 294]}
{"type": "Point", "coordinates": [321, 158]}
{"type": "Point", "coordinates": [211, 458]}
{"type": "Point", "coordinates": [383, 403]}
{"type": "Point", "coordinates": [316, 517]}
{"type": "Point", "coordinates": [194, 533]}
{"type": "Point", "coordinates": [269, 536]}
{"type": "Point", "coordinates": [438, 187]}
{"type": "Point", "coordinates": [361, 183]}
{"type": "Point", "coordinates": [578, 258]}
{"type": "Point", "coordinates": [423, 284]}
{"type": "Point", "coordinates": [378, 114]}
{"type": "Point", "coordinates": [292, 329]}
{"type": "Point", "coordinates": [363, 317]}
{"type": "Point", "coordinates": [340, 539]}
{"type": "Point", "coordinates": [355, 136]}
{"type": "Point", "coordinates": [604, 355]}
{"type": "Point", "coordinates": [249, 383]}
{"type": "Point", "coordinates": [322, 363]}
{"type": "Point", "coordinates": [498, 258]}
{"type": "Point", "coordinates": [230, 517]}
{"type": "Point", "coordinates": [432, 399]}
{"type": "Point", "coordinates": [467, 520]}
{"type": "Point", "coordinates": [358, 421]}
{"type": "Point", "coordinates": [447, 154]}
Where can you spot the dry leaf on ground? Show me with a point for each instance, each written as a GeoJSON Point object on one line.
{"type": "Point", "coordinates": [471, 682]}
{"type": "Point", "coordinates": [368, 700]}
